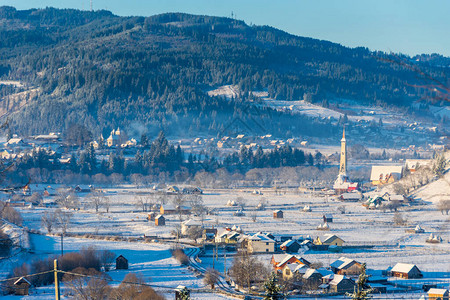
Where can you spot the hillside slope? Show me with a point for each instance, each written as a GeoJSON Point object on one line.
{"type": "Point", "coordinates": [104, 71]}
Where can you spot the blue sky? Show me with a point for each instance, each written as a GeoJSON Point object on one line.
{"type": "Point", "coordinates": [406, 26]}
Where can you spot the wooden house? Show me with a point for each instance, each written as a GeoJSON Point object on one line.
{"type": "Point", "coordinates": [351, 197]}
{"type": "Point", "coordinates": [406, 271]}
{"type": "Point", "coordinates": [192, 191]}
{"type": "Point", "coordinates": [160, 220]}
{"type": "Point", "coordinates": [188, 224]}
{"type": "Point", "coordinates": [296, 270]}
{"type": "Point", "coordinates": [385, 174]}
{"type": "Point", "coordinates": [290, 246]}
{"type": "Point", "coordinates": [121, 263]}
{"type": "Point", "coordinates": [330, 240]}
{"type": "Point", "coordinates": [341, 284]}
{"type": "Point", "coordinates": [346, 266]}
{"type": "Point", "coordinates": [259, 243]}
{"type": "Point", "coordinates": [279, 261]}
{"type": "Point", "coordinates": [278, 214]}
{"type": "Point", "coordinates": [312, 279]}
{"type": "Point", "coordinates": [151, 216]}
{"type": "Point", "coordinates": [182, 292]}
{"type": "Point", "coordinates": [173, 189]}
{"type": "Point", "coordinates": [21, 286]}
{"type": "Point", "coordinates": [438, 294]}
{"type": "Point", "coordinates": [168, 209]}
{"type": "Point", "coordinates": [328, 218]}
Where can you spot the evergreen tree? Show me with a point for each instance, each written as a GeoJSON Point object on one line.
{"type": "Point", "coordinates": [273, 290]}
{"type": "Point", "coordinates": [362, 291]}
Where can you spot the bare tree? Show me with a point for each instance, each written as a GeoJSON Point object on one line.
{"type": "Point", "coordinates": [67, 199]}
{"type": "Point", "coordinates": [241, 202]}
{"type": "Point", "coordinates": [179, 201]}
{"type": "Point", "coordinates": [247, 269]}
{"type": "Point", "coordinates": [143, 202]}
{"type": "Point", "coordinates": [254, 215]}
{"type": "Point", "coordinates": [194, 233]}
{"type": "Point", "coordinates": [134, 287]}
{"type": "Point", "coordinates": [36, 198]}
{"type": "Point", "coordinates": [11, 215]}
{"type": "Point", "coordinates": [107, 259]}
{"type": "Point", "coordinates": [89, 285]}
{"type": "Point", "coordinates": [63, 220]}
{"type": "Point", "coordinates": [399, 220]}
{"type": "Point", "coordinates": [444, 206]}
{"type": "Point", "coordinates": [211, 277]}
{"type": "Point", "coordinates": [49, 220]}
{"type": "Point", "coordinates": [96, 199]}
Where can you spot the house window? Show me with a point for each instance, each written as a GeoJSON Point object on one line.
{"type": "Point", "coordinates": [267, 250]}
{"type": "Point", "coordinates": [288, 272]}
{"type": "Point", "coordinates": [267, 244]}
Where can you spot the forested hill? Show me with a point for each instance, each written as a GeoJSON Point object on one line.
{"type": "Point", "coordinates": [152, 73]}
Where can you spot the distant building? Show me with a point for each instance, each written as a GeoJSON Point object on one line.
{"type": "Point", "coordinates": [121, 263]}
{"type": "Point", "coordinates": [406, 271]}
{"type": "Point", "coordinates": [114, 139]}
{"type": "Point", "coordinates": [21, 286]}
{"type": "Point", "coordinates": [160, 220]}
{"type": "Point", "coordinates": [278, 214]}
{"type": "Point", "coordinates": [342, 184]}
{"type": "Point", "coordinates": [187, 225]}
{"type": "Point", "coordinates": [346, 266]}
{"type": "Point", "coordinates": [260, 242]}
{"type": "Point", "coordinates": [385, 174]}
{"type": "Point", "coordinates": [330, 240]}
{"type": "Point", "coordinates": [438, 294]}
{"type": "Point", "coordinates": [290, 246]}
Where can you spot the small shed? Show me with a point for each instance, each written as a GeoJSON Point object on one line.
{"type": "Point", "coordinates": [435, 294]}
{"type": "Point", "coordinates": [21, 286]}
{"type": "Point", "coordinates": [160, 220]}
{"type": "Point", "coordinates": [182, 292]}
{"type": "Point", "coordinates": [406, 271]}
{"type": "Point", "coordinates": [121, 263]}
{"type": "Point", "coordinates": [328, 218]}
{"type": "Point", "coordinates": [151, 216]}
{"type": "Point", "coordinates": [278, 214]}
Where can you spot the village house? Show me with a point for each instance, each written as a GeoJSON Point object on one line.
{"type": "Point", "coordinates": [209, 234]}
{"type": "Point", "coordinates": [278, 214]}
{"type": "Point", "coordinates": [187, 225]}
{"type": "Point", "coordinates": [327, 218]}
{"type": "Point", "coordinates": [168, 209]}
{"type": "Point", "coordinates": [228, 237]}
{"type": "Point", "coordinates": [160, 220]}
{"type": "Point", "coordinates": [114, 138]}
{"type": "Point", "coordinates": [438, 294]}
{"type": "Point", "coordinates": [121, 263]}
{"type": "Point", "coordinates": [290, 246]}
{"type": "Point", "coordinates": [341, 284]}
{"type": "Point", "coordinates": [406, 271]}
{"type": "Point", "coordinates": [346, 266]}
{"type": "Point", "coordinates": [385, 174]}
{"type": "Point", "coordinates": [173, 189]}
{"type": "Point", "coordinates": [279, 261]}
{"type": "Point", "coordinates": [192, 191]}
{"type": "Point", "coordinates": [312, 279]}
{"type": "Point", "coordinates": [21, 286]}
{"type": "Point", "coordinates": [290, 271]}
{"type": "Point", "coordinates": [330, 240]}
{"type": "Point", "coordinates": [260, 242]}
{"type": "Point", "coordinates": [351, 197]}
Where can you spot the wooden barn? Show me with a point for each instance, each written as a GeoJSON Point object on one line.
{"type": "Point", "coordinates": [406, 271]}
{"type": "Point", "coordinates": [278, 214]}
{"type": "Point", "coordinates": [160, 220]}
{"type": "Point", "coordinates": [435, 294]}
{"type": "Point", "coordinates": [328, 218]}
{"type": "Point", "coordinates": [121, 263]}
{"type": "Point", "coordinates": [21, 286]}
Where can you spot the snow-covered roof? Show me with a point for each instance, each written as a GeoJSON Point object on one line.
{"type": "Point", "coordinates": [337, 279]}
{"type": "Point", "coordinates": [403, 268]}
{"type": "Point", "coordinates": [191, 222]}
{"type": "Point", "coordinates": [342, 262]}
{"type": "Point", "coordinates": [309, 273]}
{"type": "Point", "coordinates": [436, 291]}
{"type": "Point", "coordinates": [287, 243]}
{"type": "Point", "coordinates": [330, 237]}
{"type": "Point", "coordinates": [261, 237]}
{"type": "Point", "coordinates": [22, 279]}
{"type": "Point", "coordinates": [378, 171]}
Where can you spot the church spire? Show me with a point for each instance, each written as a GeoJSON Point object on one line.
{"type": "Point", "coordinates": [343, 162]}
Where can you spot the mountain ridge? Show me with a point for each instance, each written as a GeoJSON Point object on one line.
{"type": "Point", "coordinates": [105, 71]}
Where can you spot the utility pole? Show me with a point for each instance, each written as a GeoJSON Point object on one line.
{"type": "Point", "coordinates": [62, 244]}
{"type": "Point", "coordinates": [225, 261]}
{"type": "Point", "coordinates": [55, 262]}
{"type": "Point", "coordinates": [91, 5]}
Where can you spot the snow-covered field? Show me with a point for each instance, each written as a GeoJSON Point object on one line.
{"type": "Point", "coordinates": [358, 226]}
